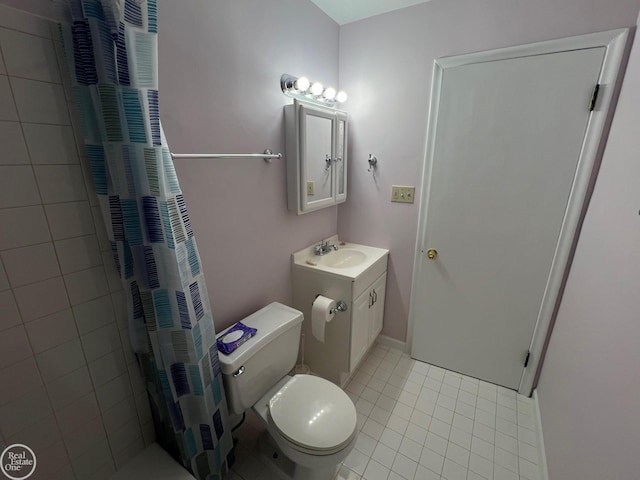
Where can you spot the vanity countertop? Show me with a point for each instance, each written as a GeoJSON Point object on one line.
{"type": "Point", "coordinates": [350, 260]}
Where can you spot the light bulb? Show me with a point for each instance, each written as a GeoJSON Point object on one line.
{"type": "Point", "coordinates": [302, 84]}
{"type": "Point", "coordinates": [316, 88]}
{"type": "Point", "coordinates": [329, 93]}
{"type": "Point", "coordinates": [342, 96]}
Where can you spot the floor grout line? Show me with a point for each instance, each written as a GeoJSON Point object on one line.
{"type": "Point", "coordinates": [388, 378]}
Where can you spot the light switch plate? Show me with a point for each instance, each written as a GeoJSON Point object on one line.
{"type": "Point", "coordinates": [310, 188]}
{"type": "Point", "coordinates": [402, 194]}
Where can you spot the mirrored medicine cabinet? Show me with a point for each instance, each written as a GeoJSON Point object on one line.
{"type": "Point", "coordinates": [316, 142]}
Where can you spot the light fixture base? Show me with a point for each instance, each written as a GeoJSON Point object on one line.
{"type": "Point", "coordinates": [288, 87]}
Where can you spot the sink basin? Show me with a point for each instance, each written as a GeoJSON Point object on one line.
{"type": "Point", "coordinates": [344, 258]}
{"type": "Point", "coordinates": [351, 260]}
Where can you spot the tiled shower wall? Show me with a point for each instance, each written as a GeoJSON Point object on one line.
{"type": "Point", "coordinates": [69, 385]}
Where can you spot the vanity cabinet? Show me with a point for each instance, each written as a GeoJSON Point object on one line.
{"type": "Point", "coordinates": [350, 334]}
{"type": "Point", "coordinates": [366, 324]}
{"type": "Point", "coordinates": [316, 142]}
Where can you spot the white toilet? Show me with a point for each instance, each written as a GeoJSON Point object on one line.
{"type": "Point", "coordinates": [310, 422]}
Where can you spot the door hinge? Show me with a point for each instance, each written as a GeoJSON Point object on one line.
{"type": "Point", "coordinates": [594, 97]}
{"type": "Point", "coordinates": [526, 358]}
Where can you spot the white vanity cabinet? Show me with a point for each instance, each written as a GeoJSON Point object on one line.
{"type": "Point", "coordinates": [350, 334]}
{"type": "Point", "coordinates": [316, 142]}
{"type": "Point", "coordinates": [367, 315]}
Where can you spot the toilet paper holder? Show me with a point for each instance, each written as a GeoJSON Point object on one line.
{"type": "Point", "coordinates": [340, 307]}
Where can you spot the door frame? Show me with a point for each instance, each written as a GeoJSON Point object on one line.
{"type": "Point", "coordinates": [615, 42]}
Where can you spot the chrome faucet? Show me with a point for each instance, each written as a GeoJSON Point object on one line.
{"type": "Point", "coordinates": [325, 247]}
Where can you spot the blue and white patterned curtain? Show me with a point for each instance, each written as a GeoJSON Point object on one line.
{"type": "Point", "coordinates": [111, 49]}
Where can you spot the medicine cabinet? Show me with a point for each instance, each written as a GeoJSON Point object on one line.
{"type": "Point", "coordinates": [316, 156]}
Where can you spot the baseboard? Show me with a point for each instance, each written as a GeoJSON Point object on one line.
{"type": "Point", "coordinates": [392, 343]}
{"type": "Point", "coordinates": [544, 470]}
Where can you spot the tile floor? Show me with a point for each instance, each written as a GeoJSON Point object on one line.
{"type": "Point", "coordinates": [418, 421]}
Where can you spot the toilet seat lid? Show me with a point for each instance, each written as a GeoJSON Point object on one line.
{"type": "Point", "coordinates": [313, 413]}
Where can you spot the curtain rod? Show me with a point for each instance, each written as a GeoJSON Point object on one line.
{"type": "Point", "coordinates": [267, 155]}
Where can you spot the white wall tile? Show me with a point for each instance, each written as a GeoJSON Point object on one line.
{"type": "Point", "coordinates": [18, 380]}
{"type": "Point", "coordinates": [113, 279]}
{"type": "Point", "coordinates": [28, 56]}
{"type": "Point", "coordinates": [144, 410]}
{"type": "Point", "coordinates": [68, 220]}
{"type": "Point", "coordinates": [93, 460]}
{"type": "Point", "coordinates": [113, 392]}
{"type": "Point", "coordinates": [120, 414]}
{"type": "Point", "coordinates": [86, 285]}
{"type": "Point", "coordinates": [129, 356]}
{"type": "Point", "coordinates": [30, 264]}
{"type": "Point", "coordinates": [4, 281]}
{"type": "Point", "coordinates": [82, 439]}
{"type": "Point", "coordinates": [78, 413]}
{"type": "Point", "coordinates": [54, 459]}
{"type": "Point", "coordinates": [24, 412]}
{"type": "Point", "coordinates": [40, 299]}
{"type": "Point", "coordinates": [61, 360]}
{"type": "Point", "coordinates": [148, 433]}
{"type": "Point", "coordinates": [105, 472]}
{"type": "Point", "coordinates": [14, 346]}
{"type": "Point", "coordinates": [23, 226]}
{"type": "Point", "coordinates": [101, 231]}
{"type": "Point", "coordinates": [7, 105]}
{"type": "Point", "coordinates": [94, 314]}
{"type": "Point", "coordinates": [128, 452]}
{"type": "Point", "coordinates": [123, 438]}
{"type": "Point", "coordinates": [88, 182]}
{"type": "Point", "coordinates": [3, 69]}
{"type": "Point", "coordinates": [121, 307]}
{"type": "Point", "coordinates": [14, 149]}
{"type": "Point", "coordinates": [98, 343]}
{"type": "Point", "coordinates": [136, 377]}
{"type": "Point", "coordinates": [78, 253]}
{"type": "Point", "coordinates": [19, 20]}
{"type": "Point", "coordinates": [69, 388]}
{"type": "Point", "coordinates": [39, 436]}
{"type": "Point", "coordinates": [9, 314]}
{"type": "Point", "coordinates": [60, 183]}
{"type": "Point", "coordinates": [18, 187]}
{"type": "Point", "coordinates": [52, 330]}
{"type": "Point", "coordinates": [40, 102]}
{"type": "Point", "coordinates": [107, 368]}
{"type": "Point", "coordinates": [50, 144]}
{"type": "Point", "coordinates": [62, 62]}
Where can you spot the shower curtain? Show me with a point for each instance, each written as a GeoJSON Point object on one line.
{"type": "Point", "coordinates": [111, 51]}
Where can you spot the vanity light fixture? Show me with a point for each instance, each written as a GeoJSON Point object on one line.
{"type": "Point", "coordinates": [302, 89]}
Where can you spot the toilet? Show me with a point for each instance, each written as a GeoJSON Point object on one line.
{"type": "Point", "coordinates": [310, 422]}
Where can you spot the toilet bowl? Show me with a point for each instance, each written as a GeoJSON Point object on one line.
{"type": "Point", "coordinates": [310, 422]}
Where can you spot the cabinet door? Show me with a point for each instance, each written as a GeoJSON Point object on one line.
{"type": "Point", "coordinates": [360, 328]}
{"type": "Point", "coordinates": [317, 183]}
{"type": "Point", "coordinates": [340, 160]}
{"type": "Point", "coordinates": [376, 314]}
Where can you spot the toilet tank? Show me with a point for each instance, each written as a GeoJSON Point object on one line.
{"type": "Point", "coordinates": [256, 365]}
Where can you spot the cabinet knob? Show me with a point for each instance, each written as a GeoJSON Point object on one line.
{"type": "Point", "coordinates": [432, 253]}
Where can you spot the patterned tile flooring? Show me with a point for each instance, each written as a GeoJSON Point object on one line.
{"type": "Point", "coordinates": [421, 422]}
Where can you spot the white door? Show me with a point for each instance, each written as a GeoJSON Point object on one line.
{"type": "Point", "coordinates": [508, 138]}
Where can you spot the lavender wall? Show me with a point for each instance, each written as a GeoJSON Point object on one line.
{"type": "Point", "coordinates": [386, 64]}
{"type": "Point", "coordinates": [589, 389]}
{"type": "Point", "coordinates": [220, 67]}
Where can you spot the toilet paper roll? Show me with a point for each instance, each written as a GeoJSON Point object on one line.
{"type": "Point", "coordinates": [321, 315]}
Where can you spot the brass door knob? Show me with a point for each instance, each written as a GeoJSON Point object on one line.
{"type": "Point", "coordinates": [432, 253]}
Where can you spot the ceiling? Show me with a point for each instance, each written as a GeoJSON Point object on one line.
{"type": "Point", "coordinates": [347, 11]}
